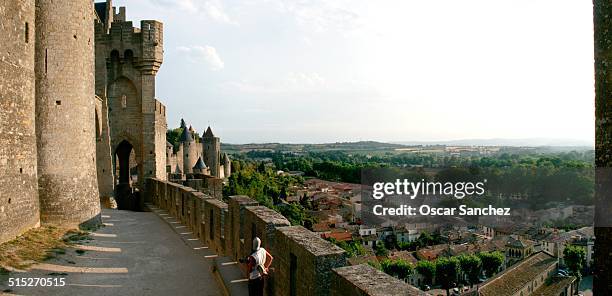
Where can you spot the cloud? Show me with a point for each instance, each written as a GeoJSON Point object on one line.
{"type": "Point", "coordinates": [309, 85]}
{"type": "Point", "coordinates": [206, 55]}
{"type": "Point", "coordinates": [183, 5]}
{"type": "Point", "coordinates": [305, 80]}
{"type": "Point", "coordinates": [321, 15]}
{"type": "Point", "coordinates": [213, 9]}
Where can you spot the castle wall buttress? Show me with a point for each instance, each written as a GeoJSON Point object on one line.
{"type": "Point", "coordinates": [19, 206]}
{"type": "Point", "coordinates": [65, 113]}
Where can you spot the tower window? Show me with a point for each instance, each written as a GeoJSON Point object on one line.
{"type": "Point", "coordinates": [58, 103]}
{"type": "Point", "coordinates": [46, 61]}
{"type": "Point", "coordinates": [21, 170]}
{"type": "Point", "coordinates": [27, 32]}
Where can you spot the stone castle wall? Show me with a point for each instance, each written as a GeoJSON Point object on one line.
{"type": "Point", "coordinates": [103, 152]}
{"type": "Point", "coordinates": [19, 207]}
{"type": "Point", "coordinates": [304, 263]}
{"type": "Point", "coordinates": [211, 149]}
{"type": "Point", "coordinates": [127, 61]}
{"type": "Point", "coordinates": [65, 113]}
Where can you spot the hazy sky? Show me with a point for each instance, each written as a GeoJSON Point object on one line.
{"type": "Point", "coordinates": [327, 71]}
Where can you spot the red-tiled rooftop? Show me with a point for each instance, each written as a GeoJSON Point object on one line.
{"type": "Point", "coordinates": [510, 281]}
{"type": "Point", "coordinates": [339, 236]}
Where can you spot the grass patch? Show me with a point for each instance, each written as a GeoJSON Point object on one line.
{"type": "Point", "coordinates": [37, 245]}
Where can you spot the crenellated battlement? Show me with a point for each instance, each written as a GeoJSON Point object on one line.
{"type": "Point", "coordinates": [141, 46]}
{"type": "Point", "coordinates": [304, 263]}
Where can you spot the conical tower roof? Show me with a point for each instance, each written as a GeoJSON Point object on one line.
{"type": "Point", "coordinates": [200, 165]}
{"type": "Point", "coordinates": [209, 133]}
{"type": "Point", "coordinates": [186, 136]}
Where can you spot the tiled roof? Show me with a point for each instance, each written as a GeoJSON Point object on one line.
{"type": "Point", "coordinates": [404, 255]}
{"type": "Point", "coordinates": [209, 133]}
{"type": "Point", "coordinates": [200, 165]}
{"type": "Point", "coordinates": [186, 136]}
{"type": "Point", "coordinates": [556, 286]}
{"type": "Point", "coordinates": [339, 236]}
{"type": "Point", "coordinates": [513, 279]}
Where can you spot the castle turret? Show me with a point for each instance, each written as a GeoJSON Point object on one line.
{"type": "Point", "coordinates": [170, 159]}
{"type": "Point", "coordinates": [127, 60]}
{"type": "Point", "coordinates": [190, 153]}
{"type": "Point", "coordinates": [65, 111]}
{"type": "Point", "coordinates": [19, 208]}
{"type": "Point", "coordinates": [200, 167]}
{"type": "Point", "coordinates": [227, 166]}
{"type": "Point", "coordinates": [211, 146]}
{"type": "Point", "coordinates": [177, 170]}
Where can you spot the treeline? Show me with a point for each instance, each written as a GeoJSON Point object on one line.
{"type": "Point", "coordinates": [261, 183]}
{"type": "Point", "coordinates": [448, 272]}
{"type": "Point", "coordinates": [537, 179]}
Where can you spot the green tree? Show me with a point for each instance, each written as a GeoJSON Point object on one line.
{"type": "Point", "coordinates": [397, 268]}
{"type": "Point", "coordinates": [575, 259]}
{"type": "Point", "coordinates": [471, 265]}
{"type": "Point", "coordinates": [427, 270]}
{"type": "Point", "coordinates": [380, 249]}
{"type": "Point", "coordinates": [491, 262]}
{"type": "Point", "coordinates": [173, 137]}
{"type": "Point", "coordinates": [261, 168]}
{"type": "Point", "coordinates": [447, 270]}
{"type": "Point", "coordinates": [293, 212]}
{"type": "Point", "coordinates": [352, 248]}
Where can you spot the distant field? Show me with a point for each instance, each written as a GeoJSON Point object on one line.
{"type": "Point", "coordinates": [377, 148]}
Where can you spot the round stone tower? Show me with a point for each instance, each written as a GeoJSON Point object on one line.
{"type": "Point", "coordinates": [19, 208]}
{"type": "Point", "coordinates": [227, 166]}
{"type": "Point", "coordinates": [212, 152]}
{"type": "Point", "coordinates": [65, 113]}
{"type": "Point", "coordinates": [190, 151]}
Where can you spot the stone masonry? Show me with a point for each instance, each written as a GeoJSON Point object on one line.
{"type": "Point", "coordinates": [304, 263]}
{"type": "Point", "coordinates": [65, 113]}
{"type": "Point", "coordinates": [363, 279]}
{"type": "Point", "coordinates": [77, 81]}
{"type": "Point", "coordinates": [19, 206]}
{"type": "Point", "coordinates": [127, 60]}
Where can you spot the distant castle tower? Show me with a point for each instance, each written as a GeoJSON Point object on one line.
{"type": "Point", "coordinates": [65, 113]}
{"type": "Point", "coordinates": [127, 60]}
{"type": "Point", "coordinates": [200, 167]}
{"type": "Point", "coordinates": [19, 206]}
{"type": "Point", "coordinates": [169, 159]}
{"type": "Point", "coordinates": [227, 166]}
{"type": "Point", "coordinates": [212, 152]}
{"type": "Point", "coordinates": [190, 151]}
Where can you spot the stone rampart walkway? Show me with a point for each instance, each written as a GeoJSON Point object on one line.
{"type": "Point", "coordinates": [136, 253]}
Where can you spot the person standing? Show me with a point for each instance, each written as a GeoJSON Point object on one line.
{"type": "Point", "coordinates": [257, 265]}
